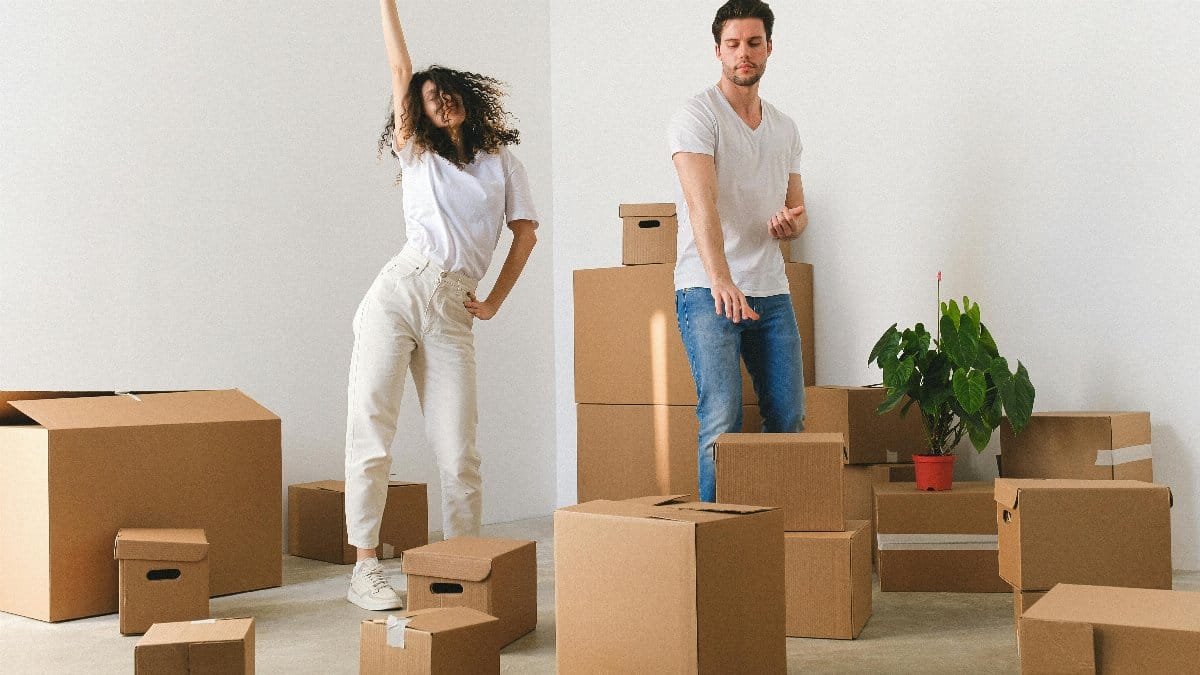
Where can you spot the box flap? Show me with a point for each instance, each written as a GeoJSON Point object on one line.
{"type": "Point", "coordinates": [709, 507]}
{"type": "Point", "coordinates": [1130, 429]}
{"type": "Point", "coordinates": [187, 407]}
{"type": "Point", "coordinates": [658, 500]}
{"type": "Point", "coordinates": [325, 485]}
{"type": "Point", "coordinates": [657, 210]}
{"type": "Point", "coordinates": [804, 438]}
{"type": "Point", "coordinates": [1113, 606]}
{"type": "Point", "coordinates": [443, 619]}
{"type": "Point", "coordinates": [10, 415]}
{"type": "Point", "coordinates": [462, 558]}
{"type": "Point", "coordinates": [1008, 489]}
{"type": "Point", "coordinates": [203, 630]}
{"type": "Point", "coordinates": [176, 545]}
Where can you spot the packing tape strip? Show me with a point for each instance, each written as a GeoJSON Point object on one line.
{"type": "Point", "coordinates": [395, 631]}
{"type": "Point", "coordinates": [938, 542]}
{"type": "Point", "coordinates": [892, 456]}
{"type": "Point", "coordinates": [1134, 453]}
{"type": "Point", "coordinates": [386, 551]}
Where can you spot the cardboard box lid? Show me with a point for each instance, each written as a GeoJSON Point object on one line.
{"type": "Point", "coordinates": [462, 558]}
{"type": "Point", "coordinates": [204, 630]}
{"type": "Point", "coordinates": [689, 514]}
{"type": "Point", "coordinates": [440, 619]}
{"type": "Point", "coordinates": [658, 500]}
{"type": "Point", "coordinates": [1126, 428]}
{"type": "Point", "coordinates": [175, 545]}
{"type": "Point", "coordinates": [189, 407]}
{"type": "Point", "coordinates": [1107, 605]}
{"type": "Point", "coordinates": [10, 415]}
{"type": "Point", "coordinates": [657, 210]}
{"type": "Point", "coordinates": [776, 440]}
{"type": "Point", "coordinates": [340, 485]}
{"type": "Point", "coordinates": [1008, 490]}
{"type": "Point", "coordinates": [853, 527]}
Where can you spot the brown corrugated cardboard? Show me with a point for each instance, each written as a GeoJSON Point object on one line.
{"type": "Point", "coordinates": [1113, 533]}
{"type": "Point", "coordinates": [799, 473]}
{"type": "Point", "coordinates": [317, 521]}
{"type": "Point", "coordinates": [678, 588]}
{"type": "Point", "coordinates": [630, 450]}
{"type": "Point", "coordinates": [163, 577]}
{"type": "Point", "coordinates": [627, 344]}
{"type": "Point", "coordinates": [442, 641]}
{"type": "Point", "coordinates": [224, 646]}
{"type": "Point", "coordinates": [870, 438]}
{"type": "Point", "coordinates": [1096, 629]}
{"type": "Point", "coordinates": [937, 541]}
{"type": "Point", "coordinates": [858, 490]}
{"type": "Point", "coordinates": [494, 576]}
{"type": "Point", "coordinates": [648, 233]}
{"type": "Point", "coordinates": [828, 581]}
{"type": "Point", "coordinates": [1022, 601]}
{"type": "Point", "coordinates": [1085, 445]}
{"type": "Point", "coordinates": [75, 470]}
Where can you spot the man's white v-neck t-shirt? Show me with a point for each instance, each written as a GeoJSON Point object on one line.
{"type": "Point", "coordinates": [753, 169]}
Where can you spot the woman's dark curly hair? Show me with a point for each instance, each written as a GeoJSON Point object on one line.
{"type": "Point", "coordinates": [485, 128]}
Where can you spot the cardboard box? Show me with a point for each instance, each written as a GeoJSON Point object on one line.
{"type": "Point", "coordinates": [870, 438]}
{"type": "Point", "coordinates": [224, 646]}
{"type": "Point", "coordinates": [1095, 629]}
{"type": "Point", "coordinates": [672, 588]}
{"type": "Point", "coordinates": [828, 581]}
{"type": "Point", "coordinates": [494, 576]}
{"type": "Point", "coordinates": [632, 450]}
{"type": "Point", "coordinates": [1022, 601]}
{"type": "Point", "coordinates": [799, 473]}
{"type": "Point", "coordinates": [1104, 533]}
{"type": "Point", "coordinates": [317, 521]}
{"type": "Point", "coordinates": [627, 344]}
{"type": "Point", "coordinates": [648, 234]}
{"type": "Point", "coordinates": [858, 490]}
{"type": "Point", "coordinates": [937, 541]}
{"type": "Point", "coordinates": [75, 470]}
{"type": "Point", "coordinates": [1085, 445]}
{"type": "Point", "coordinates": [443, 641]}
{"type": "Point", "coordinates": [163, 577]}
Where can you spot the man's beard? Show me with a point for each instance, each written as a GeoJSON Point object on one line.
{"type": "Point", "coordinates": [748, 81]}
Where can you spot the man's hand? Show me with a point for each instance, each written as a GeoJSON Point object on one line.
{"type": "Point", "coordinates": [788, 223]}
{"type": "Point", "coordinates": [731, 302]}
{"type": "Point", "coordinates": [481, 310]}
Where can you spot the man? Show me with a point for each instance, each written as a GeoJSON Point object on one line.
{"type": "Point", "coordinates": [738, 163]}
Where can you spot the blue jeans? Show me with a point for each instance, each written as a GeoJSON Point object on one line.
{"type": "Point", "coordinates": [770, 346]}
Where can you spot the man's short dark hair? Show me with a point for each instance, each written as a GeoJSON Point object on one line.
{"type": "Point", "coordinates": [743, 9]}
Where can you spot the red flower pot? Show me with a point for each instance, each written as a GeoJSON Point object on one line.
{"type": "Point", "coordinates": [934, 472]}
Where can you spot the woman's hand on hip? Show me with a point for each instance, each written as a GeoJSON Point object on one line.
{"type": "Point", "coordinates": [481, 310]}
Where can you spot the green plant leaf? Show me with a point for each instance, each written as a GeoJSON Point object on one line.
{"type": "Point", "coordinates": [971, 310]}
{"type": "Point", "coordinates": [999, 372]}
{"type": "Point", "coordinates": [1019, 403]}
{"type": "Point", "coordinates": [987, 342]}
{"type": "Point", "coordinates": [970, 388]}
{"type": "Point", "coordinates": [894, 397]}
{"type": "Point", "coordinates": [949, 338]}
{"type": "Point", "coordinates": [886, 338]}
{"type": "Point", "coordinates": [950, 310]}
{"type": "Point", "coordinates": [980, 435]}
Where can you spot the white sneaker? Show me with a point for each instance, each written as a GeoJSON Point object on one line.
{"type": "Point", "coordinates": [369, 589]}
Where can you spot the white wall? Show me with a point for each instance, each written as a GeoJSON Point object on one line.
{"type": "Point", "coordinates": [1043, 155]}
{"type": "Point", "coordinates": [190, 198]}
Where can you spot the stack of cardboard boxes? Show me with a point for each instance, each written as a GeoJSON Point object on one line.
{"type": "Point", "coordinates": [827, 582]}
{"type": "Point", "coordinates": [636, 399]}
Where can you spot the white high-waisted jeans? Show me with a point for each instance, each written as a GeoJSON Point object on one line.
{"type": "Point", "coordinates": [412, 318]}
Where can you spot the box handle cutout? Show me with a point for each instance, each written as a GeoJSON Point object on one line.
{"type": "Point", "coordinates": [1007, 515]}
{"type": "Point", "coordinates": [442, 588]}
{"type": "Point", "coordinates": [649, 224]}
{"type": "Point", "coordinates": [162, 575]}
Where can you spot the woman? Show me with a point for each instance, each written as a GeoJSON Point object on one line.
{"type": "Point", "coordinates": [461, 186]}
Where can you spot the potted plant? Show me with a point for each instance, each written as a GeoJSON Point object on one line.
{"type": "Point", "coordinates": [959, 382]}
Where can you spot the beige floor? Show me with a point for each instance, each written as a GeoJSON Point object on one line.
{"type": "Point", "coordinates": [308, 627]}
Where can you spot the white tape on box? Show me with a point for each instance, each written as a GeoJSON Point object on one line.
{"type": "Point", "coordinates": [938, 542]}
{"type": "Point", "coordinates": [395, 631]}
{"type": "Point", "coordinates": [892, 456]}
{"type": "Point", "coordinates": [1133, 453]}
{"type": "Point", "coordinates": [386, 552]}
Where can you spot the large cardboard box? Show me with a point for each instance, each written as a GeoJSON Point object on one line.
{"type": "Point", "coordinates": [224, 646]}
{"type": "Point", "coordinates": [1096, 629]}
{"type": "Point", "coordinates": [1104, 533]}
{"type": "Point", "coordinates": [163, 577]}
{"type": "Point", "coordinates": [870, 438]}
{"type": "Point", "coordinates": [75, 470]}
{"type": "Point", "coordinates": [671, 588]}
{"type": "Point", "coordinates": [317, 521]}
{"type": "Point", "coordinates": [858, 490]}
{"type": "Point", "coordinates": [632, 450]}
{"type": "Point", "coordinates": [827, 580]}
{"type": "Point", "coordinates": [627, 344]}
{"type": "Point", "coordinates": [494, 576]}
{"type": "Point", "coordinates": [443, 641]}
{"type": "Point", "coordinates": [1022, 601]}
{"type": "Point", "coordinates": [799, 473]}
{"type": "Point", "coordinates": [1086, 445]}
{"type": "Point", "coordinates": [648, 233]}
{"type": "Point", "coordinates": [937, 541]}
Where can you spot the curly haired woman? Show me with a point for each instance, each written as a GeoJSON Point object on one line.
{"type": "Point", "coordinates": [461, 186]}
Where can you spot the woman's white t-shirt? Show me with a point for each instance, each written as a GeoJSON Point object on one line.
{"type": "Point", "coordinates": [455, 216]}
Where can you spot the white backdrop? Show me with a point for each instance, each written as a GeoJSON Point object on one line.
{"type": "Point", "coordinates": [1043, 155]}
{"type": "Point", "coordinates": [190, 198]}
